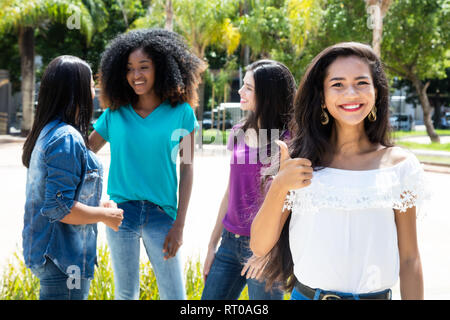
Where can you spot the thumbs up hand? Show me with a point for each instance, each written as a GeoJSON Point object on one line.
{"type": "Point", "coordinates": [294, 173]}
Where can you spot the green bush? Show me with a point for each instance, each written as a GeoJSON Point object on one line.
{"type": "Point", "coordinates": [19, 283]}
{"type": "Point", "coordinates": [102, 286]}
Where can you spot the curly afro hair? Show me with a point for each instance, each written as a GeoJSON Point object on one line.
{"type": "Point", "coordinates": [177, 69]}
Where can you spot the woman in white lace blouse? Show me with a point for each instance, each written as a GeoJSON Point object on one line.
{"type": "Point", "coordinates": [339, 219]}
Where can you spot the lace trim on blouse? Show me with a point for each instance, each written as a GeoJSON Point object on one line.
{"type": "Point", "coordinates": [409, 189]}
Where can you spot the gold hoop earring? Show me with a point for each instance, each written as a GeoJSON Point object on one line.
{"type": "Point", "coordinates": [373, 114]}
{"type": "Point", "coordinates": [324, 119]}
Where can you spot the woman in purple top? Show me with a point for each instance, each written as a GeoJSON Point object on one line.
{"type": "Point", "coordinates": [267, 94]}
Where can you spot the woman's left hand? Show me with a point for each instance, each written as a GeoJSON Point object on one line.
{"type": "Point", "coordinates": [108, 204]}
{"type": "Point", "coordinates": [173, 242]}
{"type": "Point", "coordinates": [255, 266]}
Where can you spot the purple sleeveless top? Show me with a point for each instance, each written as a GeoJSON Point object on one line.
{"type": "Point", "coordinates": [245, 196]}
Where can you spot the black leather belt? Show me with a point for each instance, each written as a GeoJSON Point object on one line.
{"type": "Point", "coordinates": [310, 293]}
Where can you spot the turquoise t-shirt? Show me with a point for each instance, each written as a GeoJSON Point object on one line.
{"type": "Point", "coordinates": [144, 152]}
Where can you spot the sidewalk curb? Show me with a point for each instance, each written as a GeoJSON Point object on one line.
{"type": "Point", "coordinates": [11, 139]}
{"type": "Point", "coordinates": [437, 168]}
{"type": "Point", "coordinates": [432, 153]}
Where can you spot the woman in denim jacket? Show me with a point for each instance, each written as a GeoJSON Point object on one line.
{"type": "Point", "coordinates": [64, 184]}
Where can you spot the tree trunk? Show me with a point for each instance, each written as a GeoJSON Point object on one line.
{"type": "Point", "coordinates": [26, 47]}
{"type": "Point", "coordinates": [245, 51]}
{"type": "Point", "coordinates": [212, 105]}
{"type": "Point", "coordinates": [376, 38]}
{"type": "Point", "coordinates": [421, 90]}
{"type": "Point", "coordinates": [377, 21]}
{"type": "Point", "coordinates": [436, 104]}
{"type": "Point", "coordinates": [169, 16]}
{"type": "Point", "coordinates": [246, 55]}
{"type": "Point", "coordinates": [225, 94]}
{"type": "Point", "coordinates": [124, 13]}
{"type": "Point", "coordinates": [201, 103]}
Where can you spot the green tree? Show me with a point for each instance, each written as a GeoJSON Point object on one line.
{"type": "Point", "coordinates": [202, 23]}
{"type": "Point", "coordinates": [416, 46]}
{"type": "Point", "coordinates": [264, 26]}
{"type": "Point", "coordinates": [305, 18]}
{"type": "Point", "coordinates": [333, 21]}
{"type": "Point", "coordinates": [438, 93]}
{"type": "Point", "coordinates": [57, 39]}
{"type": "Point", "coordinates": [280, 29]}
{"type": "Point", "coordinates": [24, 17]}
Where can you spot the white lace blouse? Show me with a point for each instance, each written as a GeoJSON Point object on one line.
{"type": "Point", "coordinates": [342, 231]}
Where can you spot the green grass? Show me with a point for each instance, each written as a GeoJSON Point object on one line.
{"type": "Point", "coordinates": [19, 283]}
{"type": "Point", "coordinates": [405, 134]}
{"type": "Point", "coordinates": [434, 160]}
{"type": "Point", "coordinates": [431, 146]}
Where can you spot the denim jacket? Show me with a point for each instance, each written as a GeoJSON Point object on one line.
{"type": "Point", "coordinates": [62, 170]}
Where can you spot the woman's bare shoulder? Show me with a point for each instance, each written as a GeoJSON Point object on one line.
{"type": "Point", "coordinates": [394, 155]}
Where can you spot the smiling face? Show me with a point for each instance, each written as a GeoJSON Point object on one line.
{"type": "Point", "coordinates": [349, 91]}
{"type": "Point", "coordinates": [247, 93]}
{"type": "Point", "coordinates": [140, 72]}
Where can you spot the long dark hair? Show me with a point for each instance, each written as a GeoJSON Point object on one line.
{"type": "Point", "coordinates": [275, 91]}
{"type": "Point", "coordinates": [65, 89]}
{"type": "Point", "coordinates": [177, 69]}
{"type": "Point", "coordinates": [312, 140]}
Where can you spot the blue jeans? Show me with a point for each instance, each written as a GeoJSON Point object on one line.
{"type": "Point", "coordinates": [56, 285]}
{"type": "Point", "coordinates": [224, 281]}
{"type": "Point", "coordinates": [295, 295]}
{"type": "Point", "coordinates": [298, 296]}
{"type": "Point", "coordinates": [146, 220]}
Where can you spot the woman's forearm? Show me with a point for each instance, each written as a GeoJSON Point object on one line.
{"type": "Point", "coordinates": [269, 221]}
{"type": "Point", "coordinates": [83, 214]}
{"type": "Point", "coordinates": [186, 166]}
{"type": "Point", "coordinates": [185, 190]}
{"type": "Point", "coordinates": [96, 141]}
{"type": "Point", "coordinates": [411, 280]}
{"type": "Point", "coordinates": [218, 227]}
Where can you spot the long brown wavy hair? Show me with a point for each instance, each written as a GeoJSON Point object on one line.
{"type": "Point", "coordinates": [312, 140]}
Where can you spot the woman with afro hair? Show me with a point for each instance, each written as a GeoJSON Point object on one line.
{"type": "Point", "coordinates": [149, 79]}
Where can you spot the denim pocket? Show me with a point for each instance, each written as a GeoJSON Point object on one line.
{"type": "Point", "coordinates": [89, 191]}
